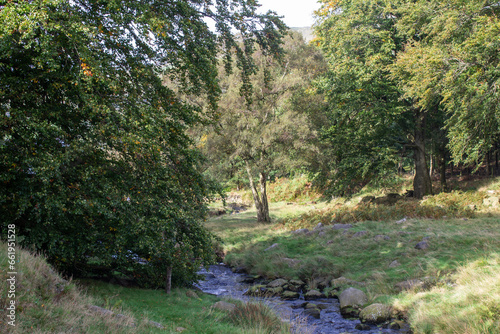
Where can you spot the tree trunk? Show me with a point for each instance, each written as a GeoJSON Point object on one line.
{"type": "Point", "coordinates": [168, 280]}
{"type": "Point", "coordinates": [261, 203]}
{"type": "Point", "coordinates": [442, 172]}
{"type": "Point", "coordinates": [422, 184]}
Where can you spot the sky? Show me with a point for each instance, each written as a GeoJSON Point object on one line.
{"type": "Point", "coordinates": [297, 13]}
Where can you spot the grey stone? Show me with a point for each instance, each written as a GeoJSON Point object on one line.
{"type": "Point", "coordinates": [224, 306]}
{"type": "Point", "coordinates": [277, 283]}
{"type": "Point", "coordinates": [342, 226]}
{"type": "Point", "coordinates": [301, 231]}
{"type": "Point", "coordinates": [394, 264]}
{"type": "Point", "coordinates": [401, 221]}
{"type": "Point", "coordinates": [359, 234]}
{"type": "Point", "coordinates": [271, 247]}
{"type": "Point", "coordinates": [313, 312]}
{"type": "Point", "coordinates": [318, 227]}
{"type": "Point", "coordinates": [422, 245]}
{"type": "Point", "coordinates": [362, 327]}
{"type": "Point", "coordinates": [352, 297]}
{"type": "Point", "coordinates": [290, 295]}
{"type": "Point", "coordinates": [375, 313]}
{"type": "Point", "coordinates": [313, 294]}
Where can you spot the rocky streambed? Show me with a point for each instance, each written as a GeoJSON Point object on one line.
{"type": "Point", "coordinates": [324, 310]}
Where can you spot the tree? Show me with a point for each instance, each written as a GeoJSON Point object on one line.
{"type": "Point", "coordinates": [452, 62]}
{"type": "Point", "coordinates": [96, 168]}
{"type": "Point", "coordinates": [269, 134]}
{"type": "Point", "coordinates": [370, 122]}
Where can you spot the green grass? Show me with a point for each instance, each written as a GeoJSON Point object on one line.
{"type": "Point", "coordinates": [460, 231]}
{"type": "Point", "coordinates": [172, 311]}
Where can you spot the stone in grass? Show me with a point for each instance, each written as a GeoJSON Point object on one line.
{"type": "Point", "coordinates": [180, 329]}
{"type": "Point", "coordinates": [224, 306]}
{"type": "Point", "coordinates": [313, 294]}
{"type": "Point", "coordinates": [271, 247]}
{"type": "Point", "coordinates": [381, 237]}
{"type": "Point", "coordinates": [394, 264]}
{"type": "Point", "coordinates": [301, 231]}
{"type": "Point", "coordinates": [359, 234]}
{"type": "Point", "coordinates": [375, 314]}
{"type": "Point", "coordinates": [422, 245]}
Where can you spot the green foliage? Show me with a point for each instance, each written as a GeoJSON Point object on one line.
{"type": "Point", "coordinates": [96, 167]}
{"type": "Point", "coordinates": [298, 189]}
{"type": "Point", "coordinates": [367, 123]}
{"type": "Point", "coordinates": [453, 59]}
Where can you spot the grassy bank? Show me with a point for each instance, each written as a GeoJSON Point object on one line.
{"type": "Point", "coordinates": [46, 303]}
{"type": "Point", "coordinates": [379, 250]}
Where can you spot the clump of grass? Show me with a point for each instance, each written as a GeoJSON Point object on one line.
{"type": "Point", "coordinates": [469, 304]}
{"type": "Point", "coordinates": [257, 318]}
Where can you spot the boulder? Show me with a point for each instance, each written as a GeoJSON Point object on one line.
{"type": "Point", "coordinates": [319, 227]}
{"type": "Point", "coordinates": [277, 283]}
{"type": "Point", "coordinates": [351, 300]}
{"type": "Point", "coordinates": [375, 313]}
{"type": "Point", "coordinates": [272, 292]}
{"type": "Point", "coordinates": [290, 295]}
{"type": "Point", "coordinates": [362, 327]}
{"type": "Point", "coordinates": [224, 306]}
{"type": "Point", "coordinates": [310, 305]}
{"type": "Point", "coordinates": [301, 231]}
{"type": "Point", "coordinates": [313, 294]}
{"type": "Point", "coordinates": [313, 312]}
{"type": "Point", "coordinates": [359, 234]}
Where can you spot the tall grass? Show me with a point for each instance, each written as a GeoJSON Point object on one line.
{"type": "Point", "coordinates": [468, 303]}
{"type": "Point", "coordinates": [46, 303]}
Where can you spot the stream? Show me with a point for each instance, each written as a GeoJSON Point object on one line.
{"type": "Point", "coordinates": [221, 281]}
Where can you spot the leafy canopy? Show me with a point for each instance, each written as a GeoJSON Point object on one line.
{"type": "Point", "coordinates": [96, 168]}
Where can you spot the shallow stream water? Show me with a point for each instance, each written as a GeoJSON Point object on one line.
{"type": "Point", "coordinates": [221, 281]}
